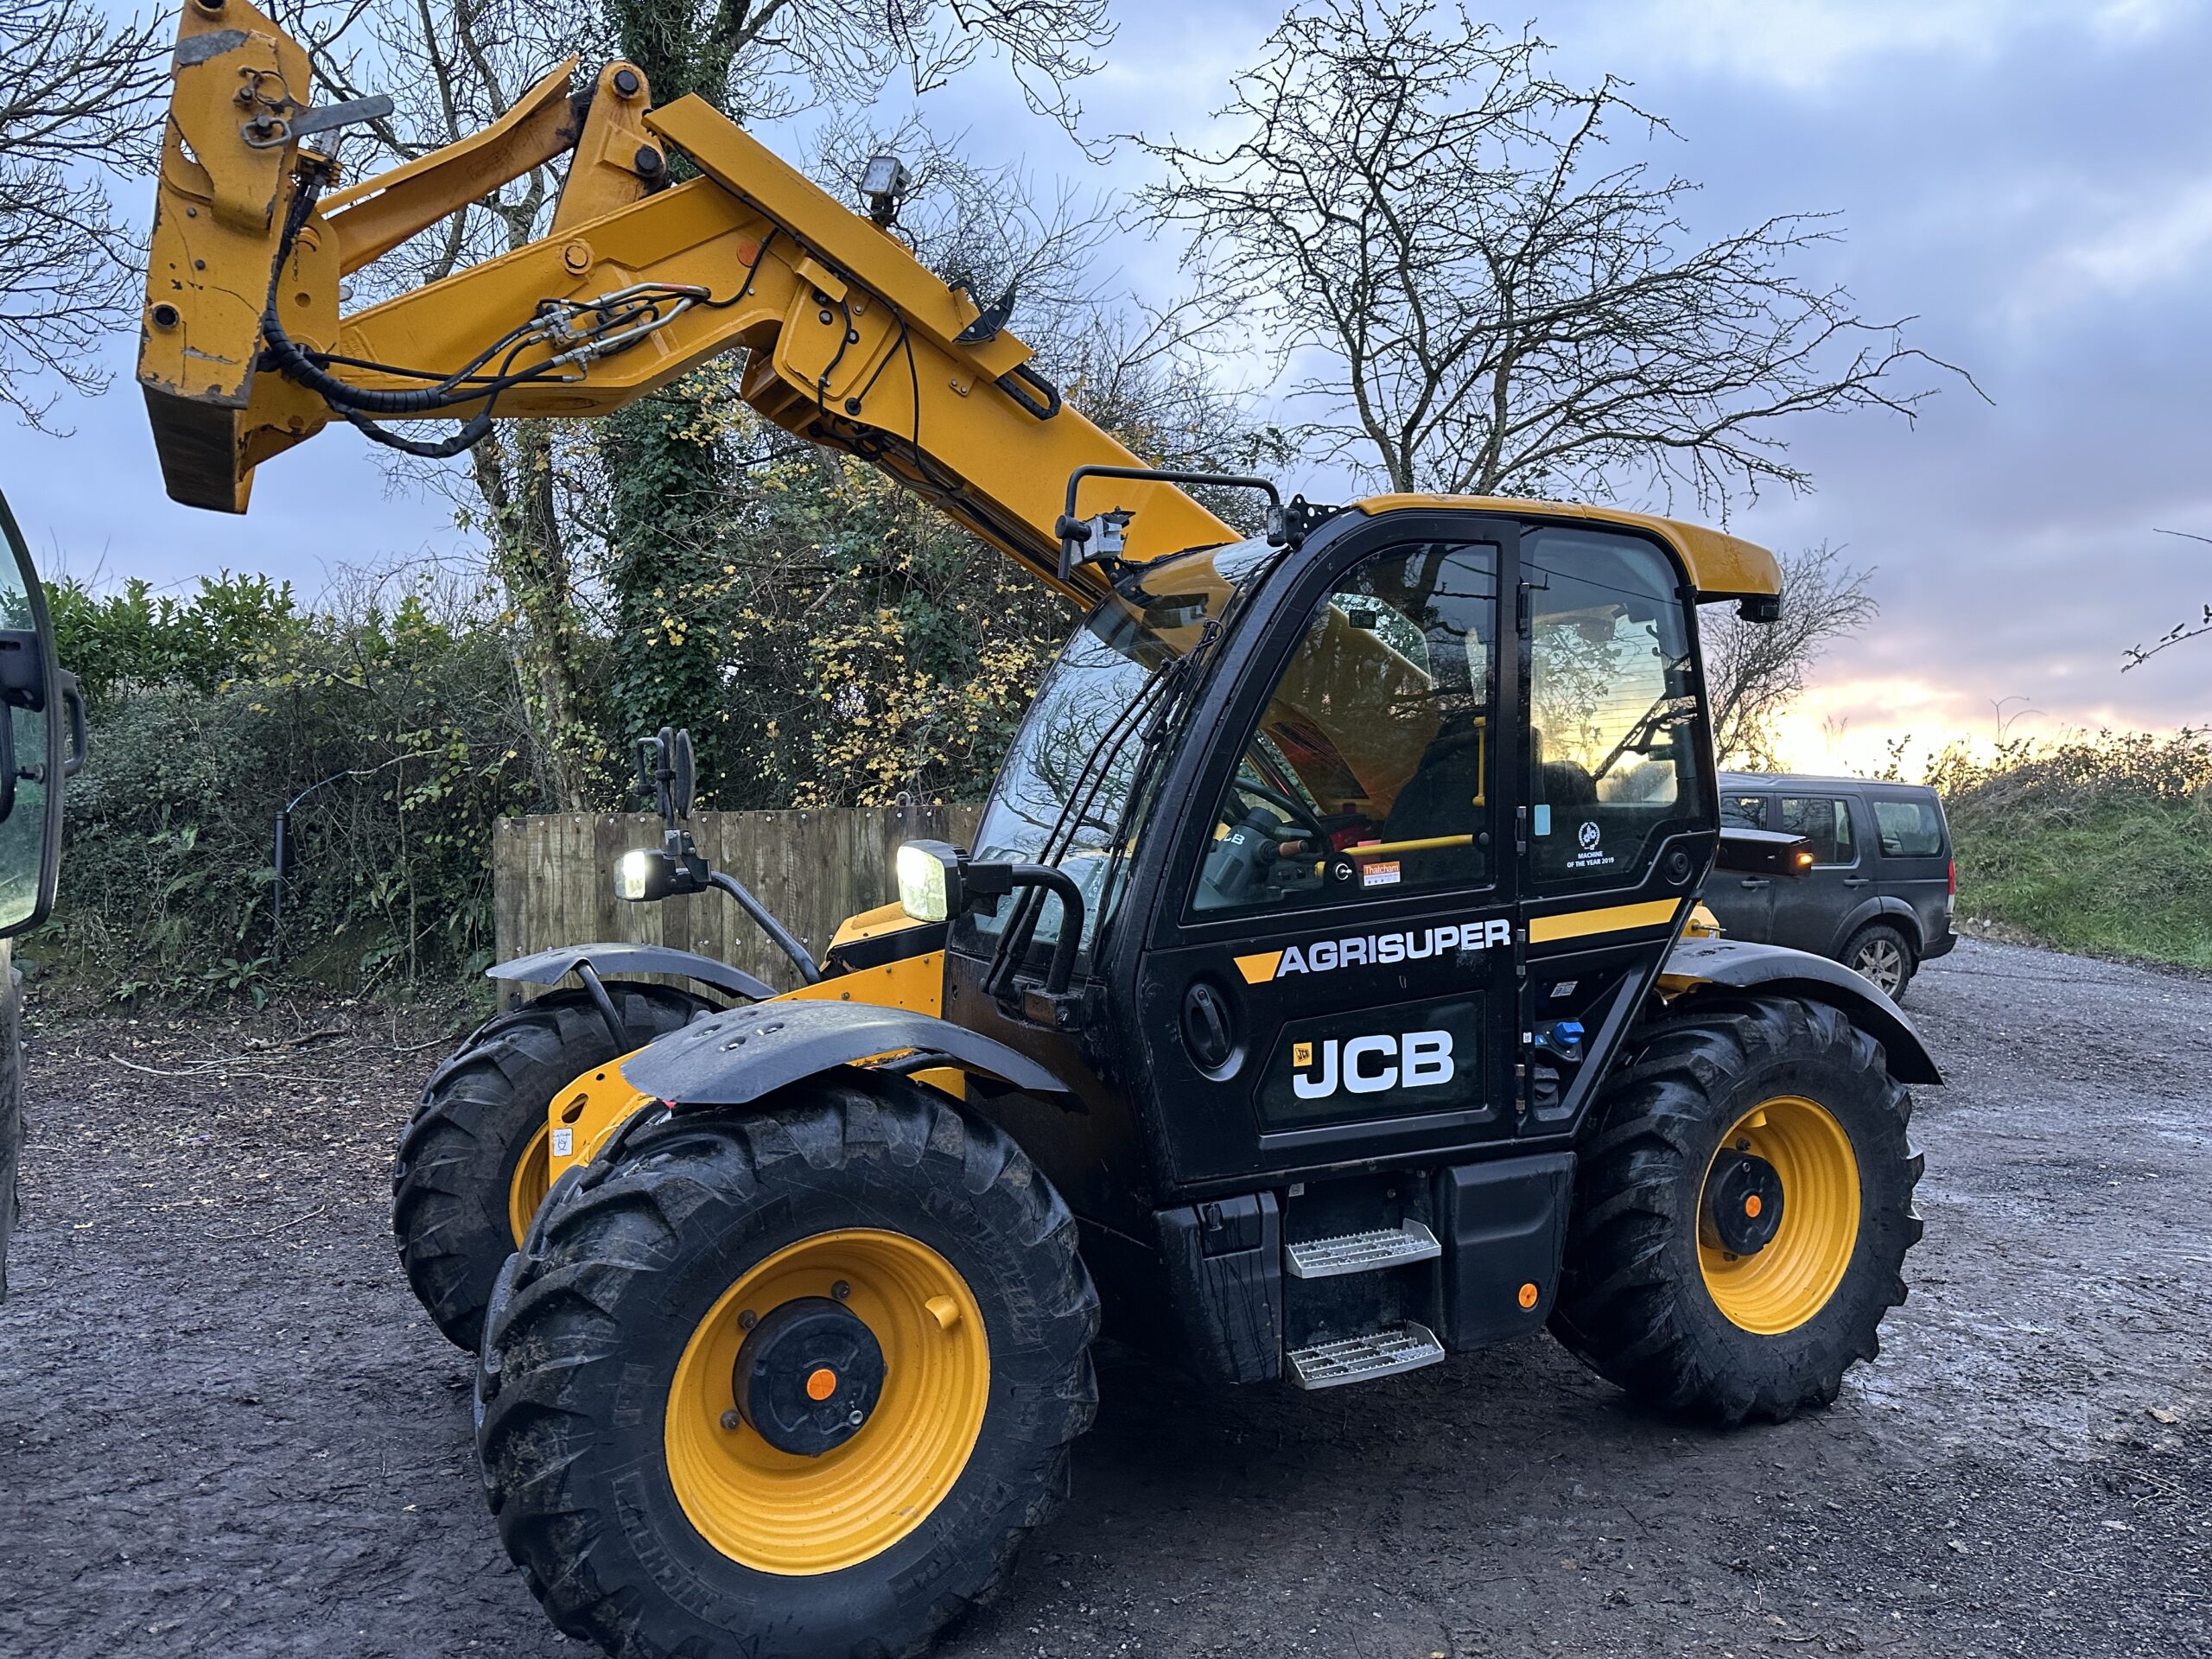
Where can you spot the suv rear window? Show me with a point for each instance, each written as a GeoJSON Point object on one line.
{"type": "Point", "coordinates": [1743, 812]}
{"type": "Point", "coordinates": [1909, 828]}
{"type": "Point", "coordinates": [1825, 822]}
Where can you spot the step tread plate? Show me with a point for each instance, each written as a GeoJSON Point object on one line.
{"type": "Point", "coordinates": [1386, 1352]}
{"type": "Point", "coordinates": [1369, 1252]}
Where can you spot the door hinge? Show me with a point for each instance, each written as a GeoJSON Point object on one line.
{"type": "Point", "coordinates": [1520, 832]}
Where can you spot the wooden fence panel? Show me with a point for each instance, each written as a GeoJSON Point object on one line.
{"type": "Point", "coordinates": [552, 878]}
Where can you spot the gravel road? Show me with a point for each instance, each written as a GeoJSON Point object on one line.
{"type": "Point", "coordinates": [226, 1429]}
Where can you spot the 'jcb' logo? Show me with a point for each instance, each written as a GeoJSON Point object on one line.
{"type": "Point", "coordinates": [1368, 1066]}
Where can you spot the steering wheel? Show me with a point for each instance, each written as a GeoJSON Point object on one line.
{"type": "Point", "coordinates": [1301, 815]}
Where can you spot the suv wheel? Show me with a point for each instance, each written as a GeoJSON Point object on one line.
{"type": "Point", "coordinates": [1880, 955]}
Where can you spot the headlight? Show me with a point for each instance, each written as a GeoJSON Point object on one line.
{"type": "Point", "coordinates": [634, 874]}
{"type": "Point", "coordinates": [923, 891]}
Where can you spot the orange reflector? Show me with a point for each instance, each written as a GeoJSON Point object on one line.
{"type": "Point", "coordinates": [1527, 1295]}
{"type": "Point", "coordinates": [1752, 1207]}
{"type": "Point", "coordinates": [822, 1384]}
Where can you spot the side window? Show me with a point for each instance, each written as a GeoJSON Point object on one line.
{"type": "Point", "coordinates": [1823, 821]}
{"type": "Point", "coordinates": [1743, 812]}
{"type": "Point", "coordinates": [1612, 706]}
{"type": "Point", "coordinates": [1369, 768]}
{"type": "Point", "coordinates": [1908, 829]}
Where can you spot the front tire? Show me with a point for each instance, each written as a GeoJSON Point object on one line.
{"type": "Point", "coordinates": [628, 1433]}
{"type": "Point", "coordinates": [472, 1167]}
{"type": "Point", "coordinates": [1742, 1210]}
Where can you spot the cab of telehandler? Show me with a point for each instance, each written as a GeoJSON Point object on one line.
{"type": "Point", "coordinates": [1374, 849]}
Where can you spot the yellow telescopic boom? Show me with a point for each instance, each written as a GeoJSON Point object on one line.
{"type": "Point", "coordinates": [852, 343]}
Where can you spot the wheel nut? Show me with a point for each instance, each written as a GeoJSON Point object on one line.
{"type": "Point", "coordinates": [747, 1319]}
{"type": "Point", "coordinates": [841, 1290]}
{"type": "Point", "coordinates": [731, 1421]}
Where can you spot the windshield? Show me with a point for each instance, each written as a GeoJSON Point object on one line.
{"type": "Point", "coordinates": [1065, 782]}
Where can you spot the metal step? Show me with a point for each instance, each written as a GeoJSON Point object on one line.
{"type": "Point", "coordinates": [1387, 1246]}
{"type": "Point", "coordinates": [1398, 1348]}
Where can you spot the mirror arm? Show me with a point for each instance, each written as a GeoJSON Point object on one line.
{"type": "Point", "coordinates": [775, 930]}
{"type": "Point", "coordinates": [1061, 885]}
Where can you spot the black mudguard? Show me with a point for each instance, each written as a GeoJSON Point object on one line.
{"type": "Point", "coordinates": [550, 967]}
{"type": "Point", "coordinates": [734, 1058]}
{"type": "Point", "coordinates": [1746, 965]}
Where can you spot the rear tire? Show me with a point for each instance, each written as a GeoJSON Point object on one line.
{"type": "Point", "coordinates": [646, 1520]}
{"type": "Point", "coordinates": [460, 1185]}
{"type": "Point", "coordinates": [1881, 955]}
{"type": "Point", "coordinates": [1648, 1297]}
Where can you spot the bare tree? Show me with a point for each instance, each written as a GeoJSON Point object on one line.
{"type": "Point", "coordinates": [764, 58]}
{"type": "Point", "coordinates": [73, 91]}
{"type": "Point", "coordinates": [2136, 656]}
{"type": "Point", "coordinates": [1477, 298]}
{"type": "Point", "coordinates": [1755, 671]}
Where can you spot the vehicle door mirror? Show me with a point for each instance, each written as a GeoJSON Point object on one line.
{"type": "Point", "coordinates": [683, 786]}
{"type": "Point", "coordinates": [1764, 852]}
{"type": "Point", "coordinates": [42, 741]}
{"type": "Point", "coordinates": [666, 774]}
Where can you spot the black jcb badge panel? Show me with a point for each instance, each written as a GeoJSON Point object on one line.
{"type": "Point", "coordinates": [1401, 1059]}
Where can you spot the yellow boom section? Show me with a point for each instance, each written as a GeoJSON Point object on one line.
{"type": "Point", "coordinates": [854, 344]}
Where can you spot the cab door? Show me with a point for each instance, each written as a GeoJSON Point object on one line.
{"type": "Point", "coordinates": [1330, 976]}
{"type": "Point", "coordinates": [1620, 822]}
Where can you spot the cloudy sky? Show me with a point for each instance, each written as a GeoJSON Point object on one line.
{"type": "Point", "coordinates": [2032, 180]}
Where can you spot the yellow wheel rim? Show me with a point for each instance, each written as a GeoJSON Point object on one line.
{"type": "Point", "coordinates": [527, 1187]}
{"type": "Point", "coordinates": [1791, 1279]}
{"type": "Point", "coordinates": [778, 1512]}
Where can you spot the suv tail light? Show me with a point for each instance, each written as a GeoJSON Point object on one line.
{"type": "Point", "coordinates": [1955, 878]}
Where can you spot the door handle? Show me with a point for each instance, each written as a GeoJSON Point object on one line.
{"type": "Point", "coordinates": [1754, 881]}
{"type": "Point", "coordinates": [1856, 881]}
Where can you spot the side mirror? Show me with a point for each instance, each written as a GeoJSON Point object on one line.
{"type": "Point", "coordinates": [1764, 852]}
{"type": "Point", "coordinates": [666, 774]}
{"type": "Point", "coordinates": [684, 784]}
{"type": "Point", "coordinates": [37, 750]}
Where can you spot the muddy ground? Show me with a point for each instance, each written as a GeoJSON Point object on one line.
{"type": "Point", "coordinates": [226, 1429]}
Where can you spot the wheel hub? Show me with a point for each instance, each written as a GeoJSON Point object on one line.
{"type": "Point", "coordinates": [807, 1377]}
{"type": "Point", "coordinates": [1742, 1202]}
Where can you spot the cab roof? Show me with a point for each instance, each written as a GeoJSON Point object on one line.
{"type": "Point", "coordinates": [1721, 566]}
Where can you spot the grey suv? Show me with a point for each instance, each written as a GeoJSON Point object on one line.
{"type": "Point", "coordinates": [1883, 885]}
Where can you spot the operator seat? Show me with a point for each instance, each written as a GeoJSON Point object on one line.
{"type": "Point", "coordinates": [1438, 799]}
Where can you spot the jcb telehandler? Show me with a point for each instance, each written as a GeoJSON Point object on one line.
{"type": "Point", "coordinates": [1320, 997]}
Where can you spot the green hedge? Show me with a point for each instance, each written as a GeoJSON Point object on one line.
{"type": "Point", "coordinates": [400, 736]}
{"type": "Point", "coordinates": [2099, 842]}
